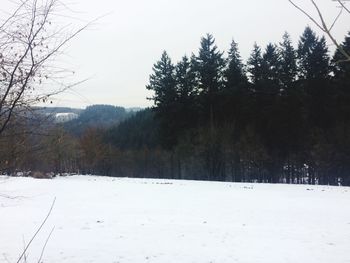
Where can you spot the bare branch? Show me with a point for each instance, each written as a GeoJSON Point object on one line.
{"type": "Point", "coordinates": [343, 5]}
{"type": "Point", "coordinates": [37, 232]}
{"type": "Point", "coordinates": [323, 25]}
{"type": "Point", "coordinates": [27, 46]}
{"type": "Point", "coordinates": [305, 13]}
{"type": "Point", "coordinates": [44, 247]}
{"type": "Point", "coordinates": [336, 19]}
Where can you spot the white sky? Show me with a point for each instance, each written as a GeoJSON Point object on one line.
{"type": "Point", "coordinates": [118, 52]}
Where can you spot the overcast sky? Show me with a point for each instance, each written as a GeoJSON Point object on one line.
{"type": "Point", "coordinates": [118, 52]}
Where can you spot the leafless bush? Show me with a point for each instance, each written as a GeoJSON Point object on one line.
{"type": "Point", "coordinates": [31, 39]}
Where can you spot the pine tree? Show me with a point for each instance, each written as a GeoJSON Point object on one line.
{"type": "Point", "coordinates": [162, 82]}
{"type": "Point", "coordinates": [341, 71]}
{"type": "Point", "coordinates": [186, 79]}
{"type": "Point", "coordinates": [315, 82]}
{"type": "Point", "coordinates": [288, 60]}
{"type": "Point", "coordinates": [255, 65]}
{"type": "Point", "coordinates": [235, 72]}
{"type": "Point", "coordinates": [291, 119]}
{"type": "Point", "coordinates": [186, 86]}
{"type": "Point", "coordinates": [209, 66]}
{"type": "Point", "coordinates": [341, 68]}
{"type": "Point", "coordinates": [322, 60]}
{"type": "Point", "coordinates": [313, 56]}
{"type": "Point", "coordinates": [306, 46]}
{"type": "Point", "coordinates": [235, 94]}
{"type": "Point", "coordinates": [271, 69]}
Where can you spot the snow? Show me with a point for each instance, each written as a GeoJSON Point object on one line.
{"type": "Point", "coordinates": [101, 219]}
{"type": "Point", "coordinates": [65, 116]}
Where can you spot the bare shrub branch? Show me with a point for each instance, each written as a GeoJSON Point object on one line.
{"type": "Point", "coordinates": [37, 232]}
{"type": "Point", "coordinates": [44, 247]}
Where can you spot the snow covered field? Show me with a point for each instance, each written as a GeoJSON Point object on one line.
{"type": "Point", "coordinates": [102, 220]}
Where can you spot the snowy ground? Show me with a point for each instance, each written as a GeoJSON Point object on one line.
{"type": "Point", "coordinates": [106, 220]}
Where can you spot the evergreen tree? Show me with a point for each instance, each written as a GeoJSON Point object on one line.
{"type": "Point", "coordinates": [163, 83]}
{"type": "Point", "coordinates": [234, 95]}
{"type": "Point", "coordinates": [322, 60]}
{"type": "Point", "coordinates": [288, 62]}
{"type": "Point", "coordinates": [255, 65]}
{"type": "Point", "coordinates": [341, 71]}
{"type": "Point", "coordinates": [314, 72]}
{"type": "Point", "coordinates": [290, 113]}
{"type": "Point", "coordinates": [186, 79]}
{"type": "Point", "coordinates": [313, 56]}
{"type": "Point", "coordinates": [271, 69]}
{"type": "Point", "coordinates": [209, 66]}
{"type": "Point", "coordinates": [306, 46]}
{"type": "Point", "coordinates": [235, 72]}
{"type": "Point", "coordinates": [341, 68]}
{"type": "Point", "coordinates": [186, 86]}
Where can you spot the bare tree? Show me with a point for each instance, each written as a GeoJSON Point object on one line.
{"type": "Point", "coordinates": [31, 39]}
{"type": "Point", "coordinates": [321, 23]}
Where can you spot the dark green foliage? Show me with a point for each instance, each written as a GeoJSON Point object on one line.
{"type": "Point", "coordinates": [209, 65]}
{"type": "Point", "coordinates": [233, 96]}
{"type": "Point", "coordinates": [187, 90]}
{"type": "Point", "coordinates": [186, 83]}
{"type": "Point", "coordinates": [235, 72]}
{"type": "Point", "coordinates": [137, 132]}
{"type": "Point", "coordinates": [313, 56]}
{"type": "Point", "coordinates": [288, 62]}
{"type": "Point", "coordinates": [315, 75]}
{"type": "Point", "coordinates": [162, 82]}
{"type": "Point", "coordinates": [255, 62]}
{"type": "Point", "coordinates": [271, 70]}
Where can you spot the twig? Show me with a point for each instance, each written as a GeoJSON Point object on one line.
{"type": "Point", "coordinates": [24, 246]}
{"type": "Point", "coordinates": [37, 231]}
{"type": "Point", "coordinates": [323, 26]}
{"type": "Point", "coordinates": [44, 247]}
{"type": "Point", "coordinates": [343, 6]}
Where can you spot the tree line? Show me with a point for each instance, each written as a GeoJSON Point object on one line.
{"type": "Point", "coordinates": [281, 117]}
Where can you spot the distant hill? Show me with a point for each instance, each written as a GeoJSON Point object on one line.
{"type": "Point", "coordinates": [98, 116]}
{"type": "Point", "coordinates": [76, 121]}
{"type": "Point", "coordinates": [56, 110]}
